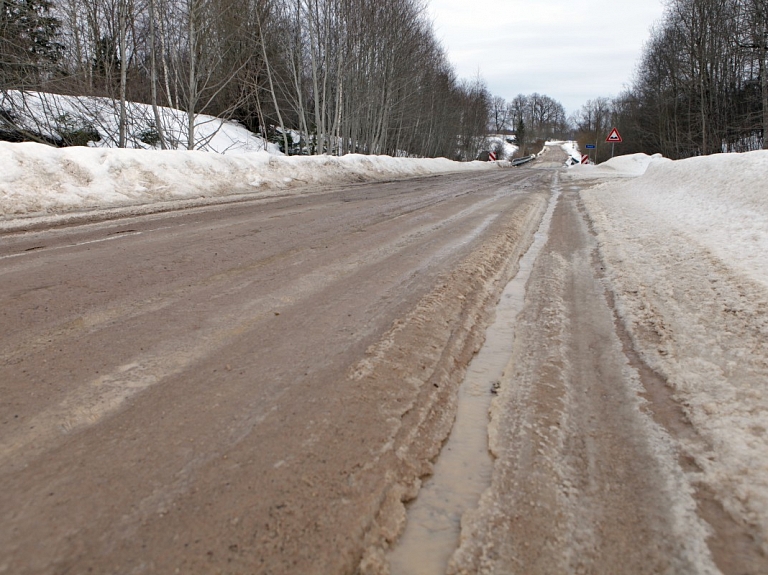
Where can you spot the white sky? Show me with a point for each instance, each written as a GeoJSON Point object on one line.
{"type": "Point", "coordinates": [571, 50]}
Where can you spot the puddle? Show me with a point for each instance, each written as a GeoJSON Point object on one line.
{"type": "Point", "coordinates": [463, 469]}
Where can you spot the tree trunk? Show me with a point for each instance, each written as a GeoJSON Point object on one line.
{"type": "Point", "coordinates": [193, 85]}
{"type": "Point", "coordinates": [314, 47]}
{"type": "Point", "coordinates": [153, 74]}
{"type": "Point", "coordinates": [263, 43]}
{"type": "Point", "coordinates": [123, 24]}
{"type": "Point", "coordinates": [762, 19]}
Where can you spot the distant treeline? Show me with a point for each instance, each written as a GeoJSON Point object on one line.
{"type": "Point", "coordinates": [701, 86]}
{"type": "Point", "coordinates": [534, 119]}
{"type": "Point", "coordinates": [315, 76]}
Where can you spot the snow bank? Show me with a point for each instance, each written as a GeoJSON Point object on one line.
{"type": "Point", "coordinates": [720, 201]}
{"type": "Point", "coordinates": [628, 166]}
{"type": "Point", "coordinates": [572, 149]}
{"type": "Point", "coordinates": [685, 248]}
{"type": "Point", "coordinates": [37, 179]}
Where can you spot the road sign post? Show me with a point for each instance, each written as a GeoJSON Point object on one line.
{"type": "Point", "coordinates": [591, 147]}
{"type": "Point", "coordinates": [614, 138]}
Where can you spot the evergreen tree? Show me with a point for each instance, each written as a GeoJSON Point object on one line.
{"type": "Point", "coordinates": [520, 135]}
{"type": "Point", "coordinates": [106, 62]}
{"type": "Point", "coordinates": [29, 50]}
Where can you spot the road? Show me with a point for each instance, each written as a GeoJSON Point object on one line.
{"type": "Point", "coordinates": [588, 475]}
{"type": "Point", "coordinates": [242, 388]}
{"type": "Point", "coordinates": [260, 387]}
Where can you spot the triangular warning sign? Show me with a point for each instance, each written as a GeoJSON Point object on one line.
{"type": "Point", "coordinates": [614, 137]}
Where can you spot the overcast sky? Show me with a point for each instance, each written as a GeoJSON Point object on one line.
{"type": "Point", "coordinates": [571, 50]}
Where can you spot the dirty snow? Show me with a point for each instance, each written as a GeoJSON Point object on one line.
{"type": "Point", "coordinates": [685, 246]}
{"type": "Point", "coordinates": [572, 149]}
{"type": "Point", "coordinates": [37, 179]}
{"type": "Point", "coordinates": [627, 166]}
{"type": "Point", "coordinates": [718, 201]}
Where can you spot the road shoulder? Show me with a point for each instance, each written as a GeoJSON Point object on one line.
{"type": "Point", "coordinates": [584, 479]}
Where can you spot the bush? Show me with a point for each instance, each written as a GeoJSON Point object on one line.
{"type": "Point", "coordinates": [150, 136]}
{"type": "Point", "coordinates": [276, 137]}
{"type": "Point", "coordinates": [75, 131]}
{"type": "Point", "coordinates": [498, 149]}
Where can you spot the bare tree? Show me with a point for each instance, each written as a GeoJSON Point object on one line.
{"type": "Point", "coordinates": [29, 43]}
{"type": "Point", "coordinates": [500, 114]}
{"type": "Point", "coordinates": [592, 123]}
{"type": "Point", "coordinates": [753, 14]}
{"type": "Point", "coordinates": [346, 75]}
{"type": "Point", "coordinates": [701, 85]}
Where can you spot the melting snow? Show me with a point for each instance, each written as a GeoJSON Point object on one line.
{"type": "Point", "coordinates": [39, 179]}
{"type": "Point", "coordinates": [685, 246]}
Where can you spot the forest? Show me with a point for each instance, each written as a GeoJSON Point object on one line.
{"type": "Point", "coordinates": [313, 76]}
{"type": "Point", "coordinates": [700, 88]}
{"type": "Point", "coordinates": [364, 76]}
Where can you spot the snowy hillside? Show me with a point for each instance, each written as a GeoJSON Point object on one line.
{"type": "Point", "coordinates": [503, 143]}
{"type": "Point", "coordinates": [94, 121]}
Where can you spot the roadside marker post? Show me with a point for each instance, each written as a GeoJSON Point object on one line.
{"type": "Point", "coordinates": [584, 159]}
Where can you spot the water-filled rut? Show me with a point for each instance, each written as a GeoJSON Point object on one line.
{"type": "Point", "coordinates": [463, 469]}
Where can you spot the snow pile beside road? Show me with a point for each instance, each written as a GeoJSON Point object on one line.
{"type": "Point", "coordinates": [685, 248]}
{"type": "Point", "coordinates": [38, 179]}
{"type": "Point", "coordinates": [720, 201]}
{"type": "Point", "coordinates": [628, 166]}
{"type": "Point", "coordinates": [572, 149]}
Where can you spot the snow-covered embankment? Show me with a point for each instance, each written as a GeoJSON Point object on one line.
{"type": "Point", "coordinates": [36, 179]}
{"type": "Point", "coordinates": [685, 246]}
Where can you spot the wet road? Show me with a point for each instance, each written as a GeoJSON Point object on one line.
{"type": "Point", "coordinates": [250, 387]}
{"type": "Point", "coordinates": [262, 387]}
